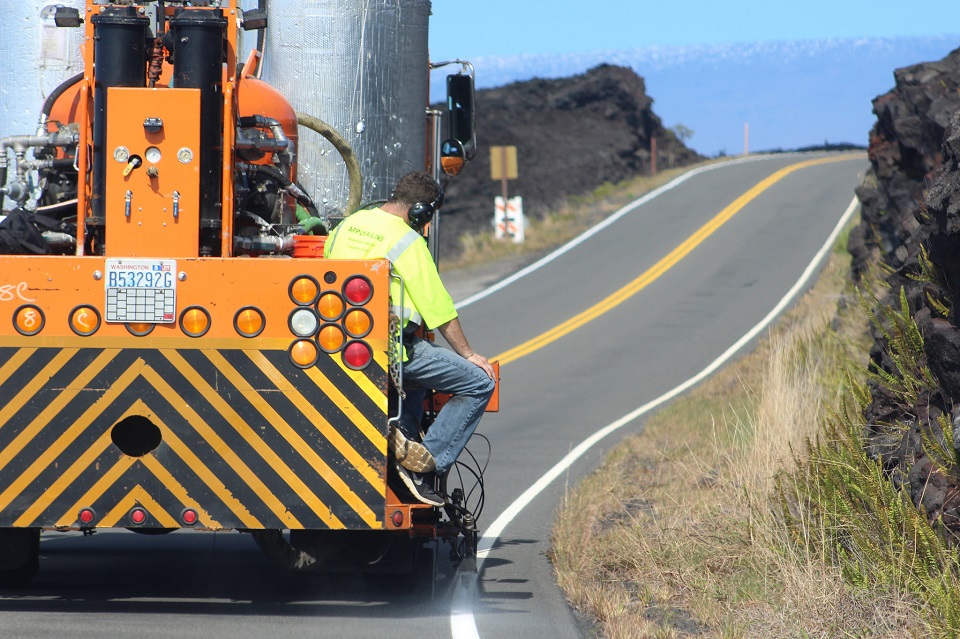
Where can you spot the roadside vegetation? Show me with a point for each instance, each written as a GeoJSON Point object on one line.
{"type": "Point", "coordinates": [747, 508]}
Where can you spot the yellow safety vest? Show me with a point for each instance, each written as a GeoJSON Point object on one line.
{"type": "Point", "coordinates": [374, 234]}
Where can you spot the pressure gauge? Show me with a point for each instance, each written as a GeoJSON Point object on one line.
{"type": "Point", "coordinates": [153, 155]}
{"type": "Point", "coordinates": [185, 155]}
{"type": "Point", "coordinates": [121, 154]}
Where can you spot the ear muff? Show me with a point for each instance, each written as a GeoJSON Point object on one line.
{"type": "Point", "coordinates": [421, 212]}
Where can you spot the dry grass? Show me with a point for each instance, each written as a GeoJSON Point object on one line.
{"type": "Point", "coordinates": [677, 535]}
{"type": "Point", "coordinates": [575, 216]}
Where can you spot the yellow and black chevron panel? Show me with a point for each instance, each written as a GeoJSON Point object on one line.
{"type": "Point", "coordinates": [239, 438]}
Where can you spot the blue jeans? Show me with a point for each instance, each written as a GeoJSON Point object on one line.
{"type": "Point", "coordinates": [432, 366]}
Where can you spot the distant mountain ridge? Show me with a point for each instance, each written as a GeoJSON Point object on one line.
{"type": "Point", "coordinates": [791, 93]}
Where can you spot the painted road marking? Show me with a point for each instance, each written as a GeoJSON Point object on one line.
{"type": "Point", "coordinates": [462, 621]}
{"type": "Point", "coordinates": [661, 267]}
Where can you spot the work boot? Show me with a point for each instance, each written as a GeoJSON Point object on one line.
{"type": "Point", "coordinates": [411, 454]}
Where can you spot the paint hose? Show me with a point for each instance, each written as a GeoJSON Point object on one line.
{"type": "Point", "coordinates": [342, 147]}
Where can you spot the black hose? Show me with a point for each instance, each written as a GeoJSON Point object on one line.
{"type": "Point", "coordinates": [289, 186]}
{"type": "Point", "coordinates": [52, 98]}
{"type": "Point", "coordinates": [261, 121]}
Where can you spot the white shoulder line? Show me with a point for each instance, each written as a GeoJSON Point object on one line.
{"type": "Point", "coordinates": [462, 622]}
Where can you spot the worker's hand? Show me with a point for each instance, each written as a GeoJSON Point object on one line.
{"type": "Point", "coordinates": [481, 361]}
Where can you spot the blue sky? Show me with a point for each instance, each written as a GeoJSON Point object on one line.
{"type": "Point", "coordinates": [470, 28]}
{"type": "Point", "coordinates": [798, 72]}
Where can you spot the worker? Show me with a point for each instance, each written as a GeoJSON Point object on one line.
{"type": "Point", "coordinates": [393, 230]}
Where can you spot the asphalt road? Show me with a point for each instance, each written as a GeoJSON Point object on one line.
{"type": "Point", "coordinates": [554, 396]}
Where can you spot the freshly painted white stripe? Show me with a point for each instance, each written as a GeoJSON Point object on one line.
{"type": "Point", "coordinates": [462, 623]}
{"type": "Point", "coordinates": [607, 222]}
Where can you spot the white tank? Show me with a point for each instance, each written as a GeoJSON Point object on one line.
{"type": "Point", "coordinates": [362, 67]}
{"type": "Point", "coordinates": [37, 57]}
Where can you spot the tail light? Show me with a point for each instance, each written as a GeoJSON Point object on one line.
{"type": "Point", "coordinates": [357, 290]}
{"type": "Point", "coordinates": [28, 320]}
{"type": "Point", "coordinates": [357, 355]}
{"type": "Point", "coordinates": [358, 323]}
{"type": "Point", "coordinates": [195, 321]}
{"type": "Point", "coordinates": [335, 324]}
{"type": "Point", "coordinates": [249, 321]}
{"type": "Point", "coordinates": [304, 290]}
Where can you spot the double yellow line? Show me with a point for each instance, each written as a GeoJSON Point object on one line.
{"type": "Point", "coordinates": [661, 267]}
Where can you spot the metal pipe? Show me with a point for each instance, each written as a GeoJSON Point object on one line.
{"type": "Point", "coordinates": [19, 144]}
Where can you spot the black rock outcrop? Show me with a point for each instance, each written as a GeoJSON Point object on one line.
{"type": "Point", "coordinates": [572, 135]}
{"type": "Point", "coordinates": [905, 154]}
{"type": "Point", "coordinates": [911, 215]}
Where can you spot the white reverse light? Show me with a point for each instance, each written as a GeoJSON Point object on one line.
{"type": "Point", "coordinates": [304, 322]}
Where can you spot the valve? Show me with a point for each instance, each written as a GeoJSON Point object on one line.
{"type": "Point", "coordinates": [132, 164]}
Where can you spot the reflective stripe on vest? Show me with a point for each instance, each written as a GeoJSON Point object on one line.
{"type": "Point", "coordinates": [407, 314]}
{"type": "Point", "coordinates": [331, 240]}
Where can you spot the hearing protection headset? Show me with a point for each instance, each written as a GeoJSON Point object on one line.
{"type": "Point", "coordinates": [421, 212]}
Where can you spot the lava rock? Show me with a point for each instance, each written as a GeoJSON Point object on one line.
{"type": "Point", "coordinates": [572, 135]}
{"type": "Point", "coordinates": [910, 203]}
{"type": "Point", "coordinates": [941, 344]}
{"type": "Point", "coordinates": [905, 155]}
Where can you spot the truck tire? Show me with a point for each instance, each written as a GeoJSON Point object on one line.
{"type": "Point", "coordinates": [19, 556]}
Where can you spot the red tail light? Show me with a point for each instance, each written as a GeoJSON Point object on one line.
{"type": "Point", "coordinates": [357, 355]}
{"type": "Point", "coordinates": [358, 290]}
{"type": "Point", "coordinates": [138, 516]}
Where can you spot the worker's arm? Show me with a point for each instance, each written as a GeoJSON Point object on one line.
{"type": "Point", "coordinates": [453, 333]}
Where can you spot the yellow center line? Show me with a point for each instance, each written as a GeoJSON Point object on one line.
{"type": "Point", "coordinates": [661, 267]}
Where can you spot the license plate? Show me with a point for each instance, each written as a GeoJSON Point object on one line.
{"type": "Point", "coordinates": [141, 291]}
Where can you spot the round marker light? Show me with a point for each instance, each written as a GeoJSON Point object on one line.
{"type": "Point", "coordinates": [304, 353]}
{"type": "Point", "coordinates": [28, 320]}
{"type": "Point", "coordinates": [195, 321]}
{"type": "Point", "coordinates": [357, 355]}
{"type": "Point", "coordinates": [304, 290]}
{"type": "Point", "coordinates": [249, 321]}
{"type": "Point", "coordinates": [87, 516]}
{"type": "Point", "coordinates": [357, 323]}
{"type": "Point", "coordinates": [139, 328]}
{"type": "Point", "coordinates": [358, 290]}
{"type": "Point", "coordinates": [84, 320]}
{"type": "Point", "coordinates": [303, 322]}
{"type": "Point", "coordinates": [397, 518]}
{"type": "Point", "coordinates": [189, 516]}
{"type": "Point", "coordinates": [330, 306]}
{"type": "Point", "coordinates": [138, 516]}
{"type": "Point", "coordinates": [331, 338]}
